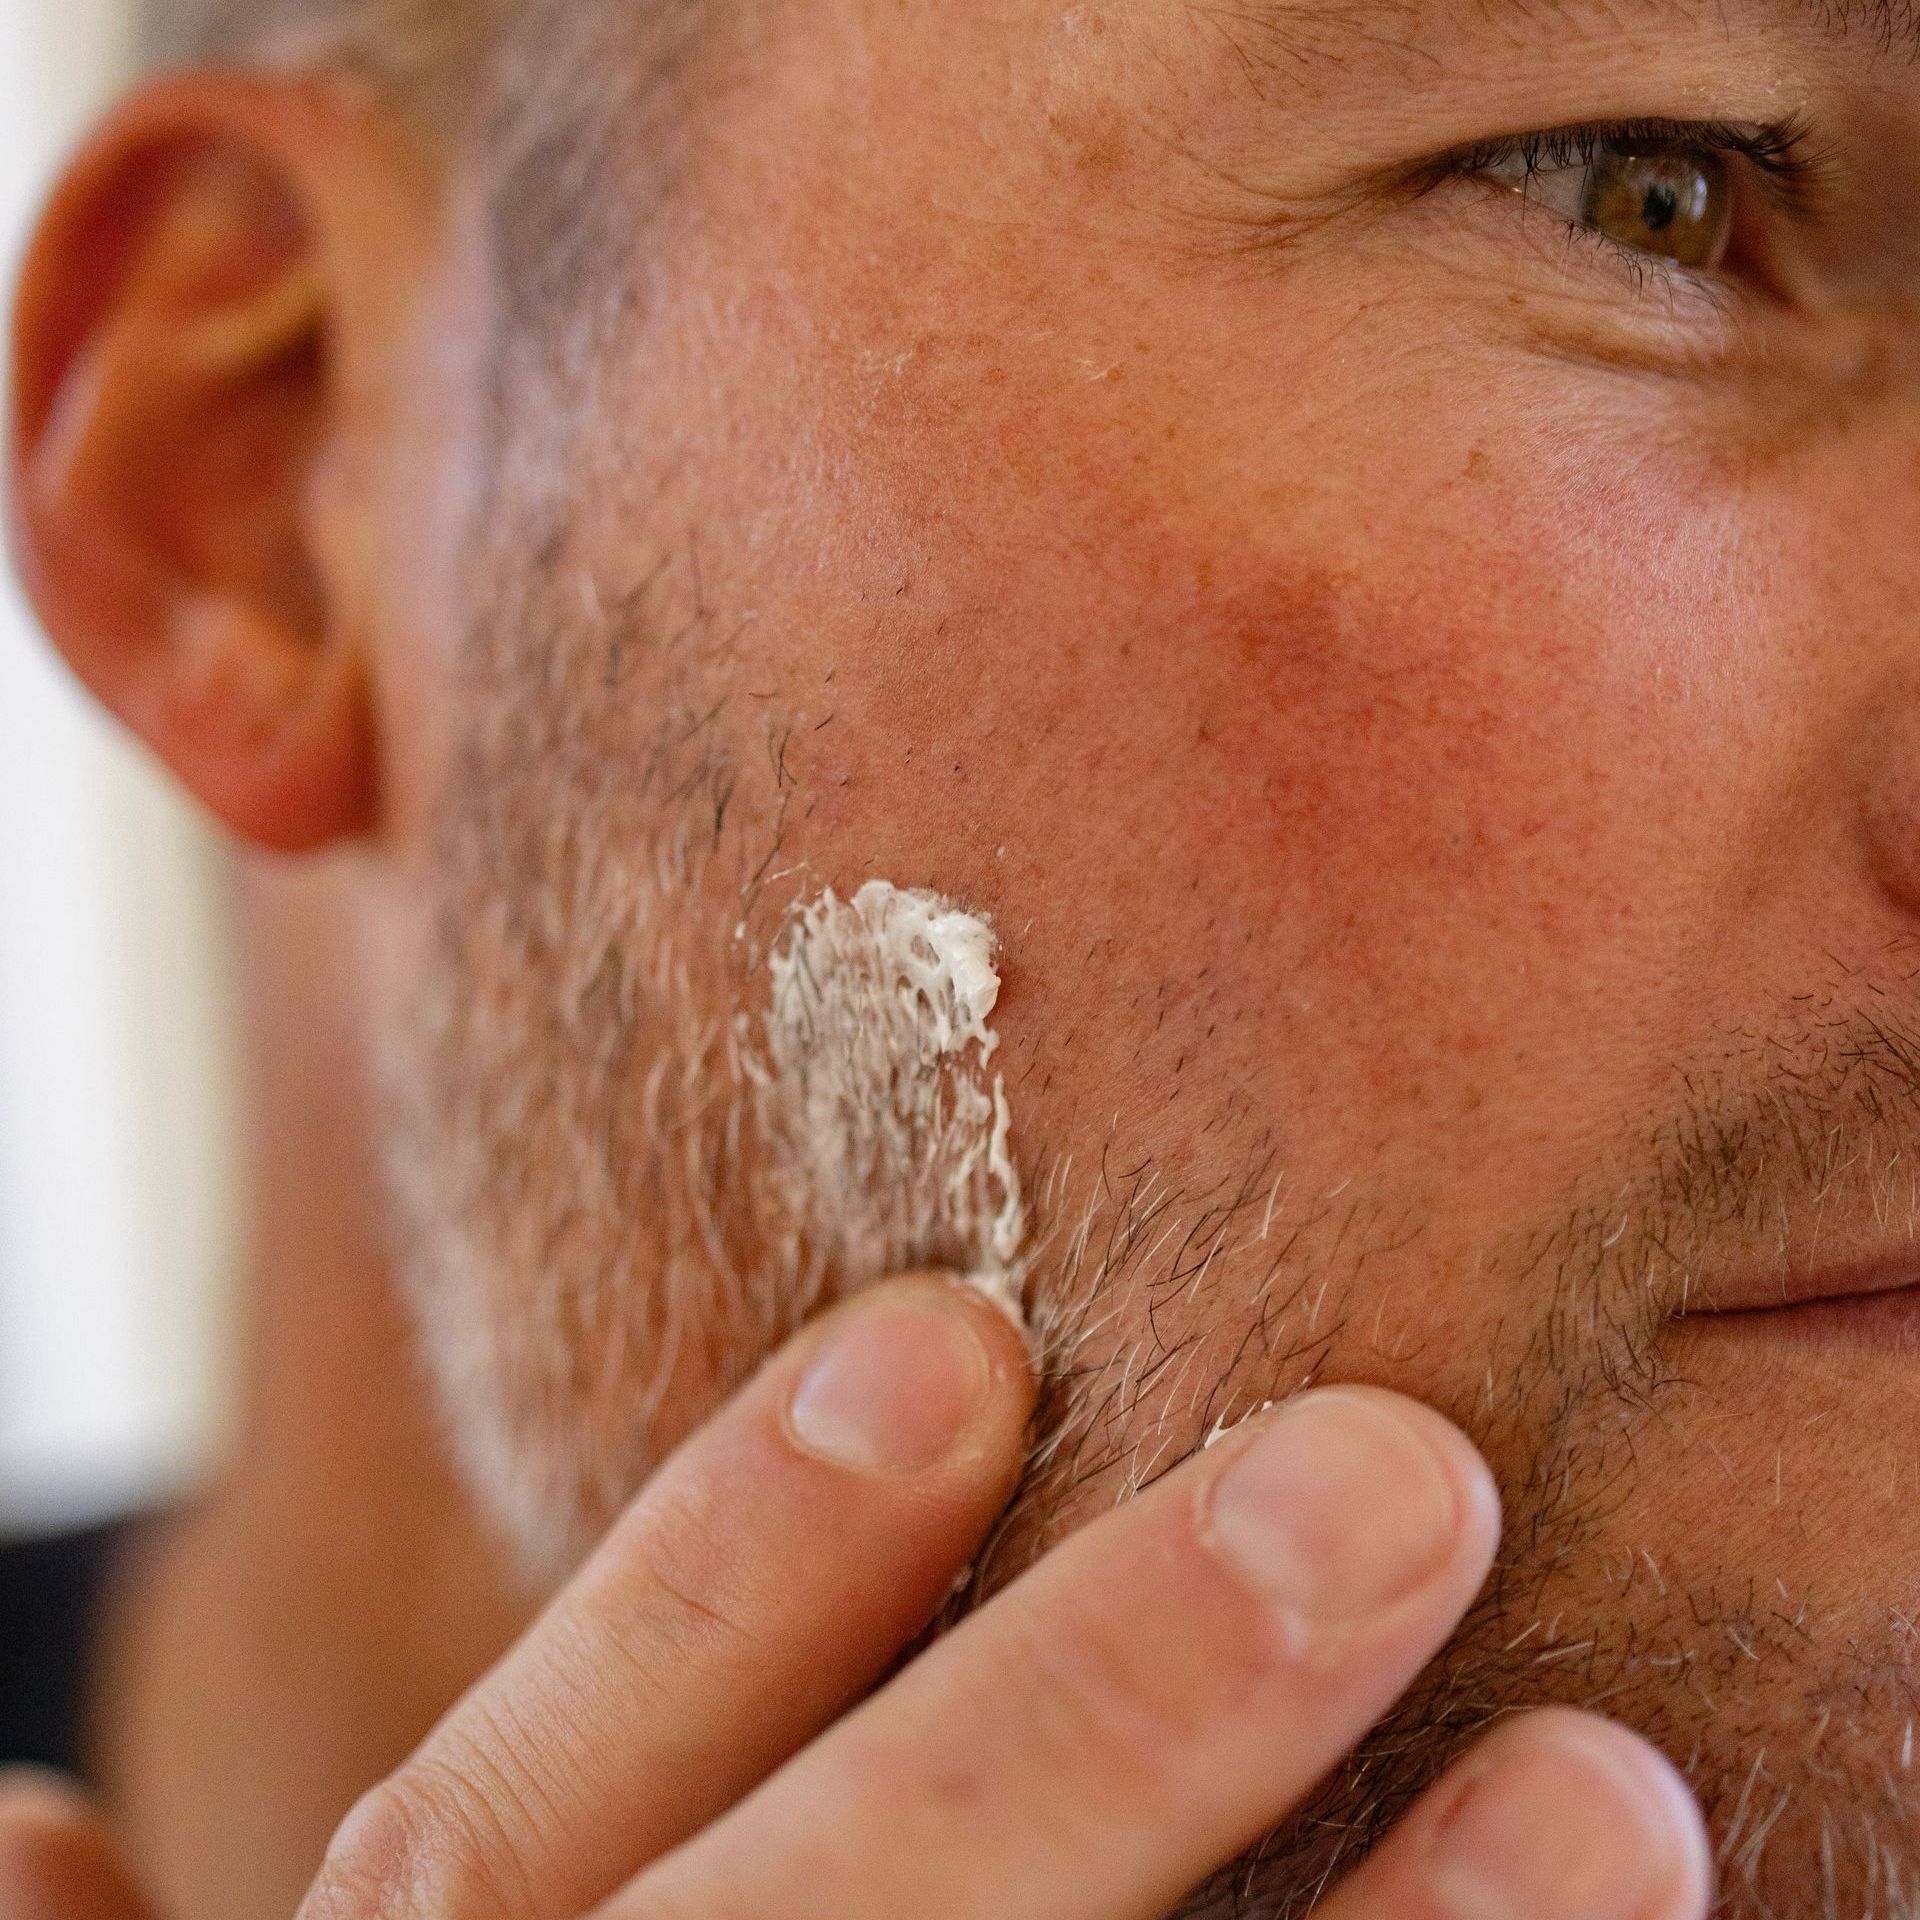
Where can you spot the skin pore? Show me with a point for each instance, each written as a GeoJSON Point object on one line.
{"type": "Point", "coordinates": [1421, 688]}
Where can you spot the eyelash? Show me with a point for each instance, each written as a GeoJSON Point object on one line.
{"type": "Point", "coordinates": [1780, 152]}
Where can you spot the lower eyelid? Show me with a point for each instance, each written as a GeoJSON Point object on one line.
{"type": "Point", "coordinates": [1673, 288]}
{"type": "Point", "coordinates": [1539, 185]}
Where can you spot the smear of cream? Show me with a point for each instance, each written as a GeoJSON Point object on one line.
{"type": "Point", "coordinates": [887, 1142]}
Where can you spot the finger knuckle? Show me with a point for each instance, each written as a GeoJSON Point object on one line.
{"type": "Point", "coordinates": [694, 1584]}
{"type": "Point", "coordinates": [375, 1862]}
{"type": "Point", "coordinates": [410, 1848]}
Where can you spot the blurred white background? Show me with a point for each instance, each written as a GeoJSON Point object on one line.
{"type": "Point", "coordinates": [118, 1170]}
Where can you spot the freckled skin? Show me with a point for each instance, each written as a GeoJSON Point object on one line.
{"type": "Point", "coordinates": [1416, 743]}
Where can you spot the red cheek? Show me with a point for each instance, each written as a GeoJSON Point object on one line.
{"type": "Point", "coordinates": [1389, 730]}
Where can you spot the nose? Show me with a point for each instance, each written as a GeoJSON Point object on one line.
{"type": "Point", "coordinates": [1871, 638]}
{"type": "Point", "coordinates": [1889, 810]}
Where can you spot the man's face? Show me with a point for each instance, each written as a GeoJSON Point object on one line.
{"type": "Point", "coordinates": [1427, 693]}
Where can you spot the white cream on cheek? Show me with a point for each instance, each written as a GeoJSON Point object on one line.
{"type": "Point", "coordinates": [888, 1146]}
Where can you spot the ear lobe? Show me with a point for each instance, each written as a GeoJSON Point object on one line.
{"type": "Point", "coordinates": [175, 412]}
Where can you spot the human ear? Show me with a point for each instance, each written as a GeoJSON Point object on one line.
{"type": "Point", "coordinates": [198, 356]}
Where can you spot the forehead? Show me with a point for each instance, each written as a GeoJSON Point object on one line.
{"type": "Point", "coordinates": [1279, 48]}
{"type": "Point", "coordinates": [868, 89]}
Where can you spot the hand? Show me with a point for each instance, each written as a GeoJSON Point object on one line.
{"type": "Point", "coordinates": [688, 1732]}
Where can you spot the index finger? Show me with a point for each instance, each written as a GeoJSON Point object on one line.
{"type": "Point", "coordinates": [1140, 1705]}
{"type": "Point", "coordinates": [759, 1585]}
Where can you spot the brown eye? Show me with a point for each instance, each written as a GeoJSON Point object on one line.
{"type": "Point", "coordinates": [1674, 204]}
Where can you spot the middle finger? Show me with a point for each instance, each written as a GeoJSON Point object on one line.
{"type": "Point", "coordinates": [1145, 1702]}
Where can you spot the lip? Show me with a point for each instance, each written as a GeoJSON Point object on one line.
{"type": "Point", "coordinates": [1799, 1287]}
{"type": "Point", "coordinates": [1883, 1317]}
{"type": "Point", "coordinates": [1868, 1304]}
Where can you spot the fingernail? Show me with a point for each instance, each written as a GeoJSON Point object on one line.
{"type": "Point", "coordinates": [897, 1386]}
{"type": "Point", "coordinates": [1571, 1823]}
{"type": "Point", "coordinates": [1341, 1508]}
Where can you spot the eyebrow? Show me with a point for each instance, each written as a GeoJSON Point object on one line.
{"type": "Point", "coordinates": [1304, 31]}
{"type": "Point", "coordinates": [1894, 24]}
{"type": "Point", "coordinates": [1890, 24]}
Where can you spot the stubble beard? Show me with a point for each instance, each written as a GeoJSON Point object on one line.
{"type": "Point", "coordinates": [573, 1188]}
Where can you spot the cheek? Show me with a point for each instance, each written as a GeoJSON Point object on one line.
{"type": "Point", "coordinates": [1384, 784]}
{"type": "Point", "coordinates": [1356, 835]}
